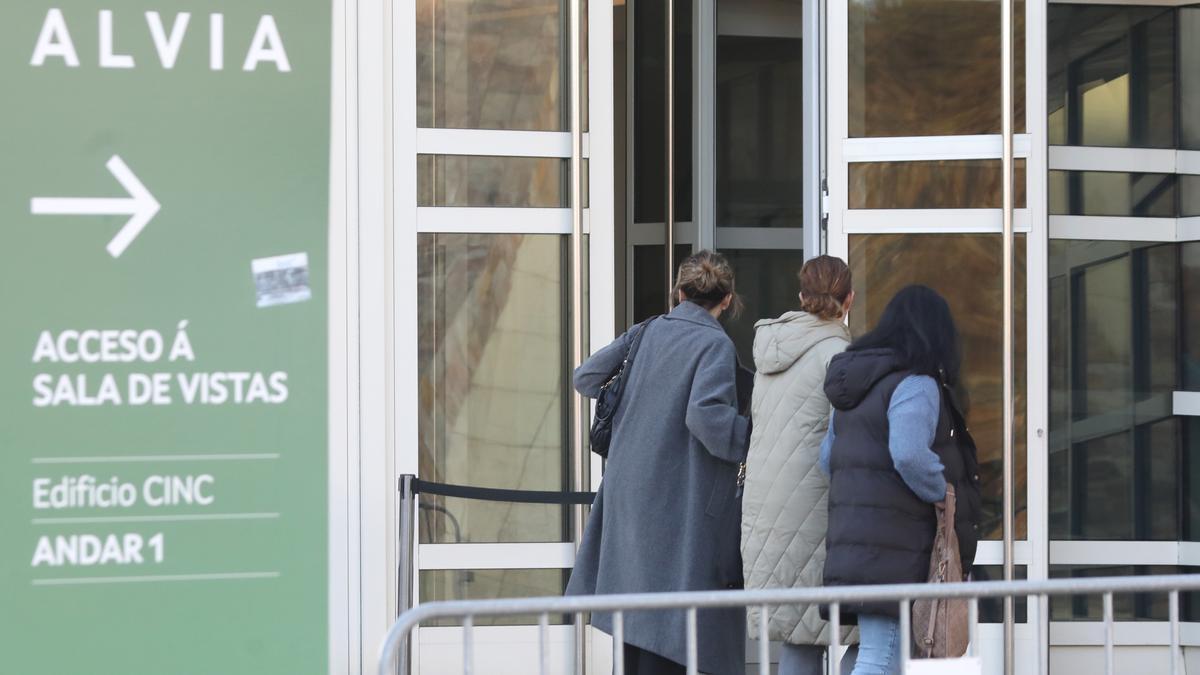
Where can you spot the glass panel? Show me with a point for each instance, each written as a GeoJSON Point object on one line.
{"type": "Point", "coordinates": [1114, 362]}
{"type": "Point", "coordinates": [1112, 193]}
{"type": "Point", "coordinates": [1157, 325]}
{"type": "Point", "coordinates": [759, 132]}
{"type": "Point", "coordinates": [649, 112]}
{"type": "Point", "coordinates": [991, 610]}
{"type": "Point", "coordinates": [965, 268]}
{"type": "Point", "coordinates": [769, 285]}
{"type": "Point", "coordinates": [464, 180]}
{"type": "Point", "coordinates": [649, 282]}
{"type": "Point", "coordinates": [1102, 504]}
{"type": "Point", "coordinates": [438, 585]}
{"type": "Point", "coordinates": [1189, 274]}
{"type": "Point", "coordinates": [930, 67]}
{"type": "Point", "coordinates": [1111, 76]}
{"type": "Point", "coordinates": [943, 184]}
{"type": "Point", "coordinates": [492, 381]}
{"type": "Point", "coordinates": [1157, 474]}
{"type": "Point", "coordinates": [492, 64]}
{"type": "Point", "coordinates": [1191, 462]}
{"type": "Point", "coordinates": [1103, 324]}
{"type": "Point", "coordinates": [1189, 193]}
{"type": "Point", "coordinates": [1126, 606]}
{"type": "Point", "coordinates": [1189, 77]}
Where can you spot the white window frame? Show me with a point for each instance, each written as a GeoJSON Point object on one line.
{"type": "Point", "coordinates": [1125, 160]}
{"type": "Point", "coordinates": [407, 220]}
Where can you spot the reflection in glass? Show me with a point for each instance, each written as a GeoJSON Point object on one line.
{"type": "Point", "coordinates": [466, 180]}
{"type": "Point", "coordinates": [492, 64]}
{"type": "Point", "coordinates": [991, 610]}
{"type": "Point", "coordinates": [437, 585]}
{"type": "Point", "coordinates": [966, 269]}
{"type": "Point", "coordinates": [1189, 77]}
{"type": "Point", "coordinates": [1114, 193]}
{"type": "Point", "coordinates": [930, 67]}
{"type": "Point", "coordinates": [769, 285]}
{"type": "Point", "coordinates": [941, 184]}
{"type": "Point", "coordinates": [759, 132]}
{"type": "Point", "coordinates": [649, 112]}
{"type": "Point", "coordinates": [1117, 353]}
{"type": "Point", "coordinates": [649, 278]}
{"type": "Point", "coordinates": [1189, 195]}
{"type": "Point", "coordinates": [1126, 606]}
{"type": "Point", "coordinates": [492, 375]}
{"type": "Point", "coordinates": [1111, 75]}
{"type": "Point", "coordinates": [1189, 272]}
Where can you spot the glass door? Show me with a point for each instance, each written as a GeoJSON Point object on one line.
{"type": "Point", "coordinates": [745, 145]}
{"type": "Point", "coordinates": [747, 161]}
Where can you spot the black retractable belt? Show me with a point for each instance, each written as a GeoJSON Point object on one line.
{"type": "Point", "coordinates": [498, 495]}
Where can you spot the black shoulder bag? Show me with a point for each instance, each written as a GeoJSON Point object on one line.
{"type": "Point", "coordinates": [609, 398]}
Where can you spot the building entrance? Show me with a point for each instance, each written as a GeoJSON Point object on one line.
{"type": "Point", "coordinates": [727, 124]}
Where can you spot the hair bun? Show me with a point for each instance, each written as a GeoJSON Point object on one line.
{"type": "Point", "coordinates": [706, 278]}
{"type": "Point", "coordinates": [825, 283]}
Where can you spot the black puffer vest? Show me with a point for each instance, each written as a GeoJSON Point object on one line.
{"type": "Point", "coordinates": [880, 532]}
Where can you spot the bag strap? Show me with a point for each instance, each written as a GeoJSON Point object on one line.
{"type": "Point", "coordinates": [951, 500]}
{"type": "Point", "coordinates": [637, 340]}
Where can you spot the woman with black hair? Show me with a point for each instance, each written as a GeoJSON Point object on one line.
{"type": "Point", "coordinates": [895, 440]}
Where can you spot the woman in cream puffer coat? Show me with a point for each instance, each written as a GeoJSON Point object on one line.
{"type": "Point", "coordinates": [784, 501]}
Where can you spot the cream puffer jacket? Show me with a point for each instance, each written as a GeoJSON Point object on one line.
{"type": "Point", "coordinates": [784, 502]}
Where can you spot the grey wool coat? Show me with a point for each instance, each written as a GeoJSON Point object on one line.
{"type": "Point", "coordinates": [784, 507]}
{"type": "Point", "coordinates": [666, 515]}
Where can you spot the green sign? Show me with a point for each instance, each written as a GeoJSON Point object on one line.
{"type": "Point", "coordinates": [163, 359]}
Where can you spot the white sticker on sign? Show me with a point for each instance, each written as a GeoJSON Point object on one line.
{"type": "Point", "coordinates": [281, 279]}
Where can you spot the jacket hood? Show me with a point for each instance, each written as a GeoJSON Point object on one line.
{"type": "Point", "coordinates": [851, 375]}
{"type": "Point", "coordinates": [779, 343]}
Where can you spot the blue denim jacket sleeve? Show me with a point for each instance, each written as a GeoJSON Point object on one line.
{"type": "Point", "coordinates": [912, 425]}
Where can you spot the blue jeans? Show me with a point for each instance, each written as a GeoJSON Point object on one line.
{"type": "Point", "coordinates": [810, 660]}
{"type": "Point", "coordinates": [878, 646]}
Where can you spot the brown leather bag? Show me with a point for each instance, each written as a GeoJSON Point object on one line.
{"type": "Point", "coordinates": [939, 625]}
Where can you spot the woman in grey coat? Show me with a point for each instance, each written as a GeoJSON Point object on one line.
{"type": "Point", "coordinates": [666, 515]}
{"type": "Point", "coordinates": [784, 506]}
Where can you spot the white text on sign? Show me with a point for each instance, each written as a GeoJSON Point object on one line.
{"type": "Point", "coordinates": [54, 42]}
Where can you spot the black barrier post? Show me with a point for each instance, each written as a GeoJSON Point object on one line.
{"type": "Point", "coordinates": [407, 559]}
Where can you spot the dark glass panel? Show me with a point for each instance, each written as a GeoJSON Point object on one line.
{"type": "Point", "coordinates": [1189, 195]}
{"type": "Point", "coordinates": [966, 269]}
{"type": "Point", "coordinates": [1103, 506]}
{"type": "Point", "coordinates": [1189, 77]}
{"type": "Point", "coordinates": [1156, 469]}
{"type": "Point", "coordinates": [1126, 606]}
{"type": "Point", "coordinates": [768, 283]}
{"type": "Point", "coordinates": [1113, 193]}
{"type": "Point", "coordinates": [759, 134]}
{"type": "Point", "coordinates": [943, 184]}
{"type": "Point", "coordinates": [991, 610]}
{"type": "Point", "coordinates": [1116, 451]}
{"type": "Point", "coordinates": [649, 278]}
{"type": "Point", "coordinates": [438, 585]}
{"type": "Point", "coordinates": [1189, 274]}
{"type": "Point", "coordinates": [492, 404]}
{"type": "Point", "coordinates": [1111, 75]}
{"type": "Point", "coordinates": [1191, 470]}
{"type": "Point", "coordinates": [465, 180]}
{"type": "Point", "coordinates": [649, 112]}
{"type": "Point", "coordinates": [492, 64]}
{"type": "Point", "coordinates": [930, 67]}
{"type": "Point", "coordinates": [1103, 339]}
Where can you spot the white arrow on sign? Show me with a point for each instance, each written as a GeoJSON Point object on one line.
{"type": "Point", "coordinates": [140, 205]}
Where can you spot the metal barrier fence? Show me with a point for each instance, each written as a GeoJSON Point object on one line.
{"type": "Point", "coordinates": [394, 654]}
